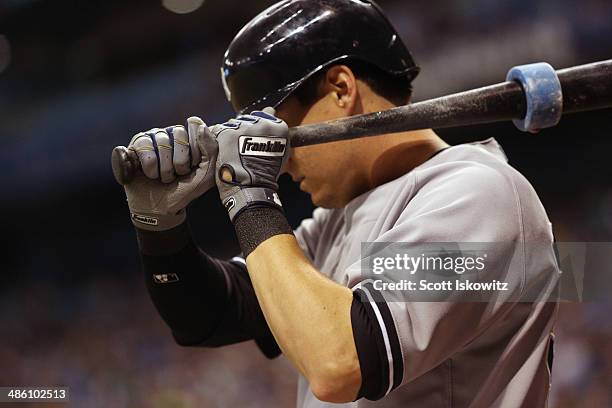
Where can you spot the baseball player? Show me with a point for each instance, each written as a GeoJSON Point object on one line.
{"type": "Point", "coordinates": [301, 293]}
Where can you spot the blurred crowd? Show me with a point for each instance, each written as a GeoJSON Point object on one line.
{"type": "Point", "coordinates": [582, 371]}
{"type": "Point", "coordinates": [106, 343]}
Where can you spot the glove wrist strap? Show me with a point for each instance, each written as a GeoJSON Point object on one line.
{"type": "Point", "coordinates": [251, 197]}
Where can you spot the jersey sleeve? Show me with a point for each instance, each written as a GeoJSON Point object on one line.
{"type": "Point", "coordinates": [397, 341]}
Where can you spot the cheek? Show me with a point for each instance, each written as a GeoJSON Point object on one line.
{"type": "Point", "coordinates": [326, 164]}
{"type": "Point", "coordinates": [312, 162]}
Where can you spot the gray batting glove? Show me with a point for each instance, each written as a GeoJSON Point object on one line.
{"type": "Point", "coordinates": [177, 167]}
{"type": "Point", "coordinates": [252, 150]}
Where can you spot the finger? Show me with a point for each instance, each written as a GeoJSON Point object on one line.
{"type": "Point", "coordinates": [232, 124]}
{"type": "Point", "coordinates": [270, 111]}
{"type": "Point", "coordinates": [270, 123]}
{"type": "Point", "coordinates": [248, 118]}
{"type": "Point", "coordinates": [265, 114]}
{"type": "Point", "coordinates": [163, 145]}
{"type": "Point", "coordinates": [142, 145]}
{"type": "Point", "coordinates": [182, 151]}
{"type": "Point", "coordinates": [193, 124]}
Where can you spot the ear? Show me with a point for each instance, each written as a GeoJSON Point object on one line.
{"type": "Point", "coordinates": [341, 85]}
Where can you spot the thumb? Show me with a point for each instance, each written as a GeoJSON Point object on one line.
{"type": "Point", "coordinates": [193, 124]}
{"type": "Point", "coordinates": [207, 143]}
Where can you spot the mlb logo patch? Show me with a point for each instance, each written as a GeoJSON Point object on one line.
{"type": "Point", "coordinates": [165, 278]}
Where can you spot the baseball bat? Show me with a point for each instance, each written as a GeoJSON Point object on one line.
{"type": "Point", "coordinates": [584, 88]}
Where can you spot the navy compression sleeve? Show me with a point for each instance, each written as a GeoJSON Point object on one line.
{"type": "Point", "coordinates": [205, 301]}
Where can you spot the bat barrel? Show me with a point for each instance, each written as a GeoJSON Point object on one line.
{"type": "Point", "coordinates": [493, 103]}
{"type": "Point", "coordinates": [586, 87]}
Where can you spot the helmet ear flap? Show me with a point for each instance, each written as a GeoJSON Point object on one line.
{"type": "Point", "coordinates": [293, 39]}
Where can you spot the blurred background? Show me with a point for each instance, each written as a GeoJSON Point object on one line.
{"type": "Point", "coordinates": [78, 78]}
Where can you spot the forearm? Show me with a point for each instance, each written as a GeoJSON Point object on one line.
{"type": "Point", "coordinates": [181, 283]}
{"type": "Point", "coordinates": [204, 301]}
{"type": "Point", "coordinates": [309, 316]}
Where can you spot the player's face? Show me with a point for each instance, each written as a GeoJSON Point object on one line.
{"type": "Point", "coordinates": [329, 172]}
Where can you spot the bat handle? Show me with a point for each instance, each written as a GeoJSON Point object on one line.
{"type": "Point", "coordinates": [125, 165]}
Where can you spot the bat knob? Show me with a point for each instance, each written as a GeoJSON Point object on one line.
{"type": "Point", "coordinates": [124, 165]}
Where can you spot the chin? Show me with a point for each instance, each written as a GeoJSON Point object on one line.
{"type": "Point", "coordinates": [317, 200]}
{"type": "Point", "coordinates": [328, 201]}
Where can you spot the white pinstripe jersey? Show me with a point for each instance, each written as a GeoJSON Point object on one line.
{"type": "Point", "coordinates": [450, 354]}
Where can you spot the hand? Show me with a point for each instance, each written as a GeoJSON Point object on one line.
{"type": "Point", "coordinates": [177, 167]}
{"type": "Point", "coordinates": [252, 151]}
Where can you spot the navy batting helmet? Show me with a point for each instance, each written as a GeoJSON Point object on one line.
{"type": "Point", "coordinates": [292, 40]}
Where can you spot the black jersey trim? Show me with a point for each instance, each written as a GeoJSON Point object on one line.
{"type": "Point", "coordinates": [371, 350]}
{"type": "Point", "coordinates": [391, 330]}
{"type": "Point", "coordinates": [377, 343]}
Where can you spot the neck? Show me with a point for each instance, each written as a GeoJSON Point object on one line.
{"type": "Point", "coordinates": [399, 153]}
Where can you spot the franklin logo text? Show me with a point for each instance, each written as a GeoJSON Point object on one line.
{"type": "Point", "coordinates": [143, 219]}
{"type": "Point", "coordinates": [262, 146]}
